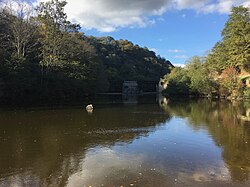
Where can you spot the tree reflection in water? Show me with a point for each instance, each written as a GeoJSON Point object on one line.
{"type": "Point", "coordinates": [169, 143]}
{"type": "Point", "coordinates": [45, 147]}
{"type": "Point", "coordinates": [221, 119]}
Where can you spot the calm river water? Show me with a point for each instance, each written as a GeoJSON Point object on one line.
{"type": "Point", "coordinates": [165, 143]}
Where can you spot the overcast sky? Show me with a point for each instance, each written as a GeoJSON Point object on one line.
{"type": "Point", "coordinates": [174, 29]}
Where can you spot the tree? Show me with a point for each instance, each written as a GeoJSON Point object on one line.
{"type": "Point", "coordinates": [200, 80]}
{"type": "Point", "coordinates": [125, 61]}
{"type": "Point", "coordinates": [195, 78]}
{"type": "Point", "coordinates": [178, 82]}
{"type": "Point", "coordinates": [53, 26]}
{"type": "Point", "coordinates": [18, 49]}
{"type": "Point", "coordinates": [236, 37]}
{"type": "Point", "coordinates": [21, 32]}
{"type": "Point", "coordinates": [234, 48]}
{"type": "Point", "coordinates": [229, 83]}
{"type": "Point", "coordinates": [217, 58]}
{"type": "Point", "coordinates": [44, 56]}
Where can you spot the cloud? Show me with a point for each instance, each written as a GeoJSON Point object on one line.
{"type": "Point", "coordinates": [190, 4]}
{"type": "Point", "coordinates": [153, 49]}
{"type": "Point", "coordinates": [223, 6]}
{"type": "Point", "coordinates": [110, 15]}
{"type": "Point", "coordinates": [105, 165]}
{"type": "Point", "coordinates": [210, 6]}
{"type": "Point", "coordinates": [175, 51]}
{"type": "Point", "coordinates": [19, 8]}
{"type": "Point", "coordinates": [179, 65]}
{"type": "Point", "coordinates": [181, 56]}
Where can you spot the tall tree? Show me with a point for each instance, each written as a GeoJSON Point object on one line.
{"type": "Point", "coordinates": [20, 33]}
{"type": "Point", "coordinates": [217, 59]}
{"type": "Point", "coordinates": [53, 25]}
{"type": "Point", "coordinates": [236, 37]}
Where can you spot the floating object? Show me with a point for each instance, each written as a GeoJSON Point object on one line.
{"type": "Point", "coordinates": [89, 108]}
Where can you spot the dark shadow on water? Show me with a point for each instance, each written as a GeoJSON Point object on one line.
{"type": "Point", "coordinates": [44, 147]}
{"type": "Point", "coordinates": [153, 142]}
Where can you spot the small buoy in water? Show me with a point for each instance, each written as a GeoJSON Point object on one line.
{"type": "Point", "coordinates": [89, 108]}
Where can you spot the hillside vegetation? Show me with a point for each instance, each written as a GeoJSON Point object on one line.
{"type": "Point", "coordinates": [43, 55]}
{"type": "Point", "coordinates": [225, 71]}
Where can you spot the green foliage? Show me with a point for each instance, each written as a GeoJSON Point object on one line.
{"type": "Point", "coordinates": [200, 80]}
{"type": "Point", "coordinates": [232, 55]}
{"type": "Point", "coordinates": [217, 58]}
{"type": "Point", "coordinates": [193, 79]}
{"type": "Point", "coordinates": [246, 93]}
{"type": "Point", "coordinates": [218, 73]}
{"type": "Point", "coordinates": [54, 32]}
{"type": "Point", "coordinates": [236, 37]}
{"type": "Point", "coordinates": [45, 56]}
{"type": "Point", "coordinates": [178, 82]}
{"type": "Point", "coordinates": [234, 48]}
{"type": "Point", "coordinates": [125, 61]}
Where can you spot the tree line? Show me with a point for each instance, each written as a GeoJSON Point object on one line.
{"type": "Point", "coordinates": [45, 56]}
{"type": "Point", "coordinates": [224, 71]}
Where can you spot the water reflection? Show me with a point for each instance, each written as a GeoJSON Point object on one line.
{"type": "Point", "coordinates": [46, 147]}
{"type": "Point", "coordinates": [245, 116]}
{"type": "Point", "coordinates": [191, 143]}
{"type": "Point", "coordinates": [130, 99]}
{"type": "Point", "coordinates": [163, 101]}
{"type": "Point", "coordinates": [221, 120]}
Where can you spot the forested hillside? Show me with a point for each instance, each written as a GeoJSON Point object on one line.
{"type": "Point", "coordinates": [125, 61]}
{"type": "Point", "coordinates": [225, 71]}
{"type": "Point", "coordinates": [45, 56]}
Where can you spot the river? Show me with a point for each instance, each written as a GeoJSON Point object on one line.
{"type": "Point", "coordinates": [153, 143]}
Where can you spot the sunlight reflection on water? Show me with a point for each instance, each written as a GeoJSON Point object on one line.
{"type": "Point", "coordinates": [198, 143]}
